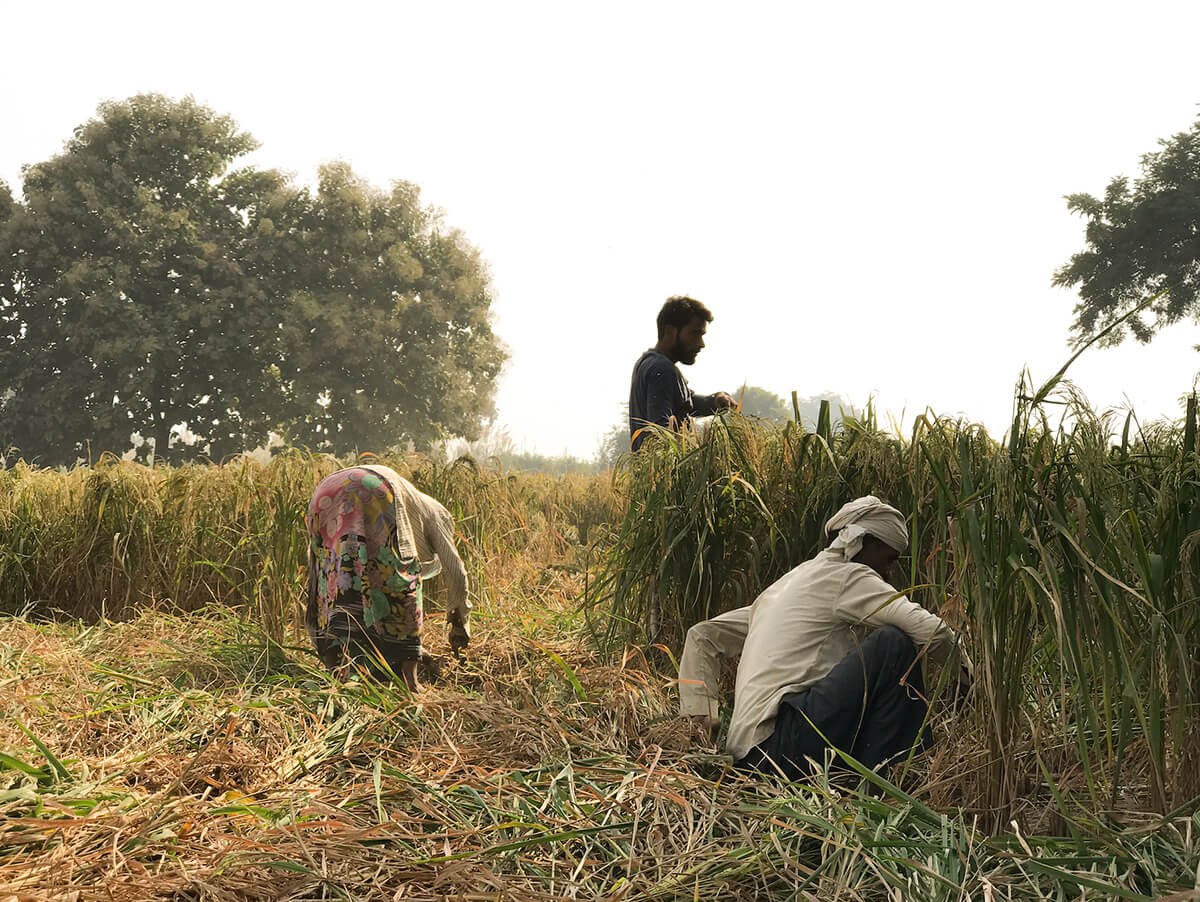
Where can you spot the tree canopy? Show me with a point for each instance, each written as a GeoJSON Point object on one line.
{"type": "Point", "coordinates": [146, 282]}
{"type": "Point", "coordinates": [1140, 240]}
{"type": "Point", "coordinates": [385, 331]}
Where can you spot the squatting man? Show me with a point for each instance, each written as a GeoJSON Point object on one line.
{"type": "Point", "coordinates": [805, 683]}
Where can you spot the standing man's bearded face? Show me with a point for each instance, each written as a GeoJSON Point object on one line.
{"type": "Point", "coordinates": [688, 341]}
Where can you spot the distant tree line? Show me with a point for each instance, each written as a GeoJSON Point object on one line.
{"type": "Point", "coordinates": [494, 448]}
{"type": "Point", "coordinates": [754, 401]}
{"type": "Point", "coordinates": [147, 281]}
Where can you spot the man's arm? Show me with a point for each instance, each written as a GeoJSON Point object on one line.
{"type": "Point", "coordinates": [433, 529]}
{"type": "Point", "coordinates": [440, 532]}
{"type": "Point", "coordinates": [707, 405]}
{"type": "Point", "coordinates": [707, 644]}
{"type": "Point", "coordinates": [868, 599]}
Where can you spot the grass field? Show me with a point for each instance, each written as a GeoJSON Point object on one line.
{"type": "Point", "coordinates": [166, 734]}
{"type": "Point", "coordinates": [191, 758]}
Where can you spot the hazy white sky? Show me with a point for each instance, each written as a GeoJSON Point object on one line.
{"type": "Point", "coordinates": [867, 195]}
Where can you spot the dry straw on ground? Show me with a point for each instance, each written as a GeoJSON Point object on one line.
{"type": "Point", "coordinates": [188, 758]}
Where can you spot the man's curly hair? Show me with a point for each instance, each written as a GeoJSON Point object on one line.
{"type": "Point", "coordinates": [680, 310]}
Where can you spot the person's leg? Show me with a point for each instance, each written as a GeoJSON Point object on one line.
{"type": "Point", "coordinates": [384, 658]}
{"type": "Point", "coordinates": [861, 706]}
{"type": "Point", "coordinates": [408, 670]}
{"type": "Point", "coordinates": [786, 751]}
{"type": "Point", "coordinates": [870, 704]}
{"type": "Point", "coordinates": [896, 707]}
{"type": "Point", "coordinates": [397, 604]}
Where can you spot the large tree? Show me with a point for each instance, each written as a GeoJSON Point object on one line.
{"type": "Point", "coordinates": [145, 282]}
{"type": "Point", "coordinates": [1140, 241]}
{"type": "Point", "coordinates": [387, 332]}
{"type": "Point", "coordinates": [129, 311]}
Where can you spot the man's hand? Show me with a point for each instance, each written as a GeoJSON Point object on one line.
{"type": "Point", "coordinates": [962, 688]}
{"type": "Point", "coordinates": [459, 638]}
{"type": "Point", "coordinates": [722, 400]}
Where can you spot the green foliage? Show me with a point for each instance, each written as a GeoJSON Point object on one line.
{"type": "Point", "coordinates": [147, 283]}
{"type": "Point", "coordinates": [6, 202]}
{"type": "Point", "coordinates": [758, 402]}
{"type": "Point", "coordinates": [113, 538]}
{"type": "Point", "coordinates": [1067, 555]}
{"type": "Point", "coordinates": [129, 310]}
{"type": "Point", "coordinates": [809, 409]}
{"type": "Point", "coordinates": [753, 402]}
{"type": "Point", "coordinates": [714, 517]}
{"type": "Point", "coordinates": [1140, 241]}
{"type": "Point", "coordinates": [173, 740]}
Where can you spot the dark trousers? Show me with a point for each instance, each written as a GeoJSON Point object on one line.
{"type": "Point", "coordinates": [860, 706]}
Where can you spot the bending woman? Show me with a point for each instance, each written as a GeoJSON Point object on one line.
{"type": "Point", "coordinates": [372, 539]}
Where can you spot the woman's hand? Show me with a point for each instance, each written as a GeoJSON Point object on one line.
{"type": "Point", "coordinates": [459, 637]}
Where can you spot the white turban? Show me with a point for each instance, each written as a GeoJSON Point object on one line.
{"type": "Point", "coordinates": [866, 516]}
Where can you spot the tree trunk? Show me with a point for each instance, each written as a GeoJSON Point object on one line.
{"type": "Point", "coordinates": [162, 438]}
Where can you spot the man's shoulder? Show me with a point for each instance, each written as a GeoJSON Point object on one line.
{"type": "Point", "coordinates": [824, 573]}
{"type": "Point", "coordinates": [861, 584]}
{"type": "Point", "coordinates": [856, 571]}
{"type": "Point", "coordinates": [653, 359]}
{"type": "Point", "coordinates": [831, 565]}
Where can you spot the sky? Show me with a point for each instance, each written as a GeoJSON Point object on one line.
{"type": "Point", "coordinates": [868, 196]}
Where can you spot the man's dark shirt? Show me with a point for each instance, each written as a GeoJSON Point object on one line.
{"type": "Point", "coordinates": [658, 393]}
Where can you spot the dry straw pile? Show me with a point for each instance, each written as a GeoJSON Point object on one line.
{"type": "Point", "coordinates": [189, 758]}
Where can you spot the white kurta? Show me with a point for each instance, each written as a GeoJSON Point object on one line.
{"type": "Point", "coordinates": [708, 643]}
{"type": "Point", "coordinates": [802, 625]}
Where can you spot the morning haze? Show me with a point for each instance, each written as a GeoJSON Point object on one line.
{"type": "Point", "coordinates": [870, 200]}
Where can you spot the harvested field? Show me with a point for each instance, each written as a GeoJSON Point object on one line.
{"type": "Point", "coordinates": [191, 749]}
{"type": "Point", "coordinates": [189, 758]}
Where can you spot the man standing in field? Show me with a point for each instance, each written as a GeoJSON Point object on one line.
{"type": "Point", "coordinates": [805, 683]}
{"type": "Point", "coordinates": [658, 393]}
